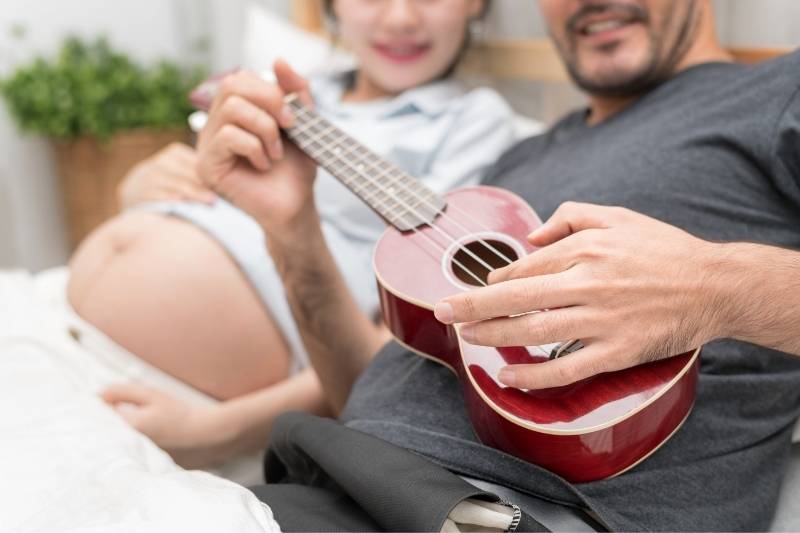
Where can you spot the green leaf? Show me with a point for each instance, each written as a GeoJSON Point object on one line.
{"type": "Point", "coordinates": [89, 88]}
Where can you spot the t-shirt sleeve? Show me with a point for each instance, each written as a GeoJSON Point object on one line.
{"type": "Point", "coordinates": [786, 152]}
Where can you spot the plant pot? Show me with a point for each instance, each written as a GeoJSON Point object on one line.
{"type": "Point", "coordinates": [91, 170]}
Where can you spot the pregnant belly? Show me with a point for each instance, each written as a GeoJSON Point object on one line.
{"type": "Point", "coordinates": [168, 293]}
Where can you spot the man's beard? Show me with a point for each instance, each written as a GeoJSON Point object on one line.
{"type": "Point", "coordinates": [655, 70]}
{"type": "Point", "coordinates": [626, 83]}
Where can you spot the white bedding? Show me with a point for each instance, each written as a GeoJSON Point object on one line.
{"type": "Point", "coordinates": [68, 462]}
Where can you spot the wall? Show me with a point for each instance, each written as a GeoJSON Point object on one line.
{"type": "Point", "coordinates": [741, 22]}
{"type": "Point", "coordinates": [31, 233]}
{"type": "Point", "coordinates": [8, 252]}
{"type": "Point", "coordinates": [759, 22]}
{"type": "Point", "coordinates": [147, 29]}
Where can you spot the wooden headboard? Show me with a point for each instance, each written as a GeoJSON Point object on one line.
{"type": "Point", "coordinates": [538, 60]}
{"type": "Point", "coordinates": [523, 59]}
{"type": "Point", "coordinates": [308, 14]}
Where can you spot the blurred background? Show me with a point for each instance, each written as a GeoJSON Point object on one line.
{"type": "Point", "coordinates": [178, 41]}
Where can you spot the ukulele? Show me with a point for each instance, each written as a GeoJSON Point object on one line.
{"type": "Point", "coordinates": [436, 246]}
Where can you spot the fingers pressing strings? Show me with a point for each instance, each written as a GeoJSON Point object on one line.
{"type": "Point", "coordinates": [552, 259]}
{"type": "Point", "coordinates": [530, 329]}
{"type": "Point", "coordinates": [253, 119]}
{"type": "Point", "coordinates": [575, 367]}
{"type": "Point", "coordinates": [250, 87]}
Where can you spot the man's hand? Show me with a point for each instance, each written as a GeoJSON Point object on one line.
{"type": "Point", "coordinates": [195, 436]}
{"type": "Point", "coordinates": [169, 174]}
{"type": "Point", "coordinates": [243, 157]}
{"type": "Point", "coordinates": [633, 289]}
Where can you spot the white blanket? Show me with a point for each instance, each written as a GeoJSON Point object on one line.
{"type": "Point", "coordinates": [69, 463]}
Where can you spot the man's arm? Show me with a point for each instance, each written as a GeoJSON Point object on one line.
{"type": "Point", "coordinates": [242, 157]}
{"type": "Point", "coordinates": [634, 290]}
{"type": "Point", "coordinates": [761, 292]}
{"type": "Point", "coordinates": [339, 337]}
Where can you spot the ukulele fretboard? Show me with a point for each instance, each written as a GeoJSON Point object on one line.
{"type": "Point", "coordinates": [403, 201]}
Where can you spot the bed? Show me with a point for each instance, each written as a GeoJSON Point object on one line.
{"type": "Point", "coordinates": [69, 463]}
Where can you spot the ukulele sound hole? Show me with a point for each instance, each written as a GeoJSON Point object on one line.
{"type": "Point", "coordinates": [467, 267]}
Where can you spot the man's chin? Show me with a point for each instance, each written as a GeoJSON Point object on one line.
{"type": "Point", "coordinates": [614, 81]}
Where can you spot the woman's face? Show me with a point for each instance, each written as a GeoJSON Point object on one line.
{"type": "Point", "coordinates": [401, 44]}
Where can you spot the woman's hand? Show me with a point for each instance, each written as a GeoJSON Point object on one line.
{"type": "Point", "coordinates": [195, 436]}
{"type": "Point", "coordinates": [169, 174]}
{"type": "Point", "coordinates": [631, 288]}
{"type": "Point", "coordinates": [242, 156]}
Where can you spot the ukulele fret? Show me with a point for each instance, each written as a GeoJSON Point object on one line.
{"type": "Point", "coordinates": [397, 197]}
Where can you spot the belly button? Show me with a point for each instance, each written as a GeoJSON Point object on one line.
{"type": "Point", "coordinates": [75, 334]}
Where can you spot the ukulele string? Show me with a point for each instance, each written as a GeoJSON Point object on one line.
{"type": "Point", "coordinates": [379, 188]}
{"type": "Point", "coordinates": [408, 210]}
{"type": "Point", "coordinates": [436, 245]}
{"type": "Point", "coordinates": [397, 180]}
{"type": "Point", "coordinates": [443, 215]}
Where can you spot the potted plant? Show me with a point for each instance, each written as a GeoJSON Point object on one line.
{"type": "Point", "coordinates": [104, 112]}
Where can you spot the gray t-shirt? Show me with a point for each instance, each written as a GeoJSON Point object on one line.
{"type": "Point", "coordinates": [715, 151]}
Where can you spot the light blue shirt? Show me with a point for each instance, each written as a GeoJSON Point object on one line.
{"type": "Point", "coordinates": [439, 133]}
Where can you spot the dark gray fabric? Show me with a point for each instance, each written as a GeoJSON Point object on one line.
{"type": "Point", "coordinates": [715, 151]}
{"type": "Point", "coordinates": [323, 476]}
{"type": "Point", "coordinates": [787, 513]}
{"type": "Point", "coordinates": [553, 516]}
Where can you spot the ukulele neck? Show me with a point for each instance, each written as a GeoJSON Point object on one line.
{"type": "Point", "coordinates": [401, 200]}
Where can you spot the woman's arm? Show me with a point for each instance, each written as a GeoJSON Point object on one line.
{"type": "Point", "coordinates": [169, 174]}
{"type": "Point", "coordinates": [249, 418]}
{"type": "Point", "coordinates": [203, 436]}
{"type": "Point", "coordinates": [242, 157]}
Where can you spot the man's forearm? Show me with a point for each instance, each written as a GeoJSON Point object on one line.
{"type": "Point", "coordinates": [762, 295]}
{"type": "Point", "coordinates": [339, 337]}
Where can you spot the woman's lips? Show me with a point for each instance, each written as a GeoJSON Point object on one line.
{"type": "Point", "coordinates": [402, 53]}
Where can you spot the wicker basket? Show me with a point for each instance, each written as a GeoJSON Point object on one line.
{"type": "Point", "coordinates": [91, 170]}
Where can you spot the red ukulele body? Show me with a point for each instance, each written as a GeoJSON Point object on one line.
{"type": "Point", "coordinates": [591, 430]}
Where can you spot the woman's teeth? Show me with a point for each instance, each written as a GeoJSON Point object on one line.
{"type": "Point", "coordinates": [403, 50]}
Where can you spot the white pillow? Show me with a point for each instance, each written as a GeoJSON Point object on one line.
{"type": "Point", "coordinates": [268, 36]}
{"type": "Point", "coordinates": [525, 126]}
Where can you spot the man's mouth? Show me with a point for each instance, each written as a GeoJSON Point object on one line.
{"type": "Point", "coordinates": [599, 20]}
{"type": "Point", "coordinates": [594, 28]}
{"type": "Point", "coordinates": [402, 52]}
